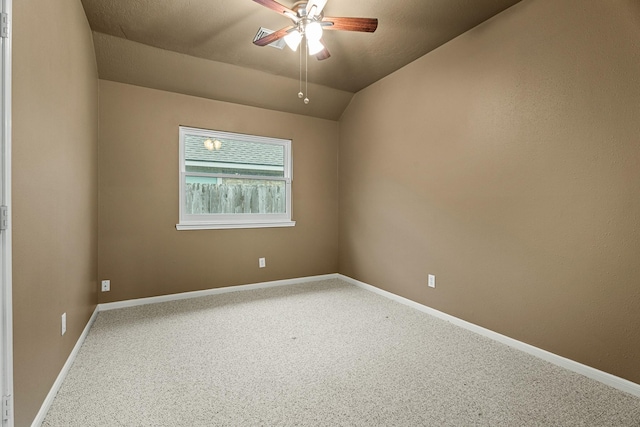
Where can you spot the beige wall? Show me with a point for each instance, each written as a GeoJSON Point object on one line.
{"type": "Point", "coordinates": [140, 250]}
{"type": "Point", "coordinates": [55, 130]}
{"type": "Point", "coordinates": [507, 163]}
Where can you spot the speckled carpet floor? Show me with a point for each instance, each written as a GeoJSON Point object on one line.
{"type": "Point", "coordinates": [317, 354]}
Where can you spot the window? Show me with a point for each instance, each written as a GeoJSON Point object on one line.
{"type": "Point", "coordinates": [231, 180]}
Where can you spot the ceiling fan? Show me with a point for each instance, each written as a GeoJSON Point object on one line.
{"type": "Point", "coordinates": [309, 22]}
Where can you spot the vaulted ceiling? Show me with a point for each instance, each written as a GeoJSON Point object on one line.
{"type": "Point", "coordinates": [204, 47]}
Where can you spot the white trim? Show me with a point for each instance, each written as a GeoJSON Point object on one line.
{"type": "Point", "coordinates": [46, 405]}
{"type": "Point", "coordinates": [6, 281]}
{"type": "Point", "coordinates": [593, 373]}
{"type": "Point", "coordinates": [188, 221]}
{"type": "Point", "coordinates": [603, 377]}
{"type": "Point", "coordinates": [225, 225]}
{"type": "Point", "coordinates": [214, 291]}
{"type": "Point", "coordinates": [235, 166]}
{"type": "Point", "coordinates": [48, 401]}
{"type": "Point", "coordinates": [236, 176]}
{"type": "Point", "coordinates": [234, 135]}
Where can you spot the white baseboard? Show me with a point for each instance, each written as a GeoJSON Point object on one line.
{"type": "Point", "coordinates": [63, 372]}
{"type": "Point", "coordinates": [603, 377]}
{"type": "Point", "coordinates": [593, 373]}
{"type": "Point", "coordinates": [214, 291]}
{"type": "Point", "coordinates": [37, 422]}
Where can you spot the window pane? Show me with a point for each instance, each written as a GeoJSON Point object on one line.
{"type": "Point", "coordinates": [233, 180]}
{"type": "Point", "coordinates": [233, 157]}
{"type": "Point", "coordinates": [234, 196]}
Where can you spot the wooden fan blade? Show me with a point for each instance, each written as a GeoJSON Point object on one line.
{"type": "Point", "coordinates": [367, 25]}
{"type": "Point", "coordinates": [324, 53]}
{"type": "Point", "coordinates": [274, 5]}
{"type": "Point", "coordinates": [270, 38]}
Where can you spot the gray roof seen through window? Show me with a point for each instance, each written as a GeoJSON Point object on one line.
{"type": "Point", "coordinates": [240, 152]}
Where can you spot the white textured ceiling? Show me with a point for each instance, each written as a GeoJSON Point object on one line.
{"type": "Point", "coordinates": [204, 47]}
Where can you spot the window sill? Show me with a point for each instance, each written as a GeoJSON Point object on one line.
{"type": "Point", "coordinates": [228, 225]}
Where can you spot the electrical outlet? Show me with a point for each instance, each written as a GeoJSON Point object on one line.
{"type": "Point", "coordinates": [262, 262]}
{"type": "Point", "coordinates": [64, 323]}
{"type": "Point", "coordinates": [106, 285]}
{"type": "Point", "coordinates": [432, 281]}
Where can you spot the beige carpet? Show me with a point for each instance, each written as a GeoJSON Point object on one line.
{"type": "Point", "coordinates": [317, 354]}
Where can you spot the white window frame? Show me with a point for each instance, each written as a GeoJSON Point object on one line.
{"type": "Point", "coordinates": [225, 221]}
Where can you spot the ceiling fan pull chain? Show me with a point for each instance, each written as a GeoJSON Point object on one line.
{"type": "Point", "coordinates": [300, 94]}
{"type": "Point", "coordinates": [306, 70]}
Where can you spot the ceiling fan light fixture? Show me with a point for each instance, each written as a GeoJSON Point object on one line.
{"type": "Point", "coordinates": [313, 31]}
{"type": "Point", "coordinates": [291, 16]}
{"type": "Point", "coordinates": [293, 39]}
{"type": "Point", "coordinates": [315, 46]}
{"type": "Point", "coordinates": [308, 19]}
{"type": "Point", "coordinates": [314, 7]}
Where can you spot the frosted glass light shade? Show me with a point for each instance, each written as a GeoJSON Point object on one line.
{"type": "Point", "coordinates": [293, 39]}
{"type": "Point", "coordinates": [315, 46]}
{"type": "Point", "coordinates": [313, 31]}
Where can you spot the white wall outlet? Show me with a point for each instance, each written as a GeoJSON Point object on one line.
{"type": "Point", "coordinates": [106, 285]}
{"type": "Point", "coordinates": [64, 323]}
{"type": "Point", "coordinates": [432, 281]}
{"type": "Point", "coordinates": [262, 262]}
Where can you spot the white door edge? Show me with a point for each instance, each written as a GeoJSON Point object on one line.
{"type": "Point", "coordinates": [6, 315]}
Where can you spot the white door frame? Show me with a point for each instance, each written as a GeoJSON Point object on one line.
{"type": "Point", "coordinates": [6, 312]}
